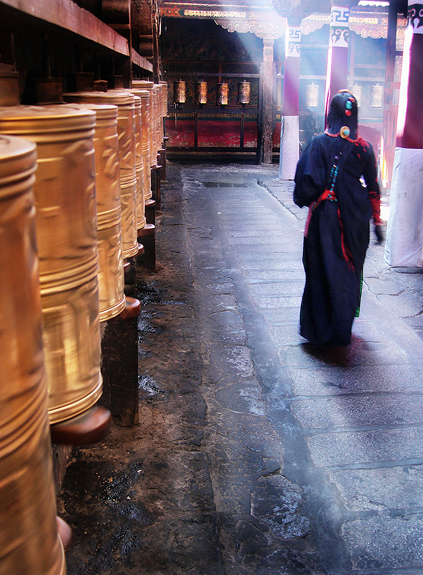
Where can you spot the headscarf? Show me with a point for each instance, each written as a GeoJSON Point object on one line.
{"type": "Point", "coordinates": [343, 113]}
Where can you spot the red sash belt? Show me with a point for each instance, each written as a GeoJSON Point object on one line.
{"type": "Point", "coordinates": [330, 195]}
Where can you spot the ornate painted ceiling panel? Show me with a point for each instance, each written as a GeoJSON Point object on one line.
{"type": "Point", "coordinates": [269, 18]}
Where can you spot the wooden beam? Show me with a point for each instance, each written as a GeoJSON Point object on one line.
{"type": "Point", "coordinates": [67, 15]}
{"type": "Point", "coordinates": [140, 61]}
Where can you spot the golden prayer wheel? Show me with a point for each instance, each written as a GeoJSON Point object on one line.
{"type": "Point", "coordinates": [157, 118]}
{"type": "Point", "coordinates": [66, 227]}
{"type": "Point", "coordinates": [139, 168]}
{"type": "Point", "coordinates": [111, 280]}
{"type": "Point", "coordinates": [144, 95]}
{"type": "Point", "coordinates": [126, 137]}
{"type": "Point", "coordinates": [180, 92]}
{"type": "Point", "coordinates": [201, 92]}
{"type": "Point", "coordinates": [223, 94]}
{"type": "Point", "coordinates": [145, 135]}
{"type": "Point", "coordinates": [145, 85]}
{"type": "Point", "coordinates": [163, 86]}
{"type": "Point", "coordinates": [244, 92]}
{"type": "Point", "coordinates": [29, 541]}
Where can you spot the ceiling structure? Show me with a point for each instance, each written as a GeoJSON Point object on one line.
{"type": "Point", "coordinates": [222, 8]}
{"type": "Point", "coordinates": [268, 19]}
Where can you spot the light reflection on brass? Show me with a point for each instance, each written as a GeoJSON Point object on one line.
{"type": "Point", "coordinates": [144, 144]}
{"type": "Point", "coordinates": [151, 87]}
{"type": "Point", "coordinates": [180, 90]}
{"type": "Point", "coordinates": [139, 168]}
{"type": "Point", "coordinates": [157, 118]}
{"type": "Point", "coordinates": [126, 136]}
{"type": "Point", "coordinates": [29, 542]}
{"type": "Point", "coordinates": [145, 133]}
{"type": "Point", "coordinates": [223, 94]}
{"type": "Point", "coordinates": [66, 226]}
{"type": "Point", "coordinates": [109, 231]}
{"type": "Point", "coordinates": [164, 91]}
{"type": "Point", "coordinates": [201, 92]}
{"type": "Point", "coordinates": [244, 91]}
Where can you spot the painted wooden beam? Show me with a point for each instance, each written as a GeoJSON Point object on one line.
{"type": "Point", "coordinates": [67, 15]}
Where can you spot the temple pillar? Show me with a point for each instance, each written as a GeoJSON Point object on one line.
{"type": "Point", "coordinates": [266, 104]}
{"type": "Point", "coordinates": [290, 130]}
{"type": "Point", "coordinates": [404, 240]}
{"type": "Point", "coordinates": [337, 67]}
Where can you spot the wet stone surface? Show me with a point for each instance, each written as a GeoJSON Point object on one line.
{"type": "Point", "coordinates": [255, 453]}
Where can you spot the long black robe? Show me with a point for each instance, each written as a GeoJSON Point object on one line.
{"type": "Point", "coordinates": [332, 292]}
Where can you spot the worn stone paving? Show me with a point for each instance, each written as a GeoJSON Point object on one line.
{"type": "Point", "coordinates": [255, 452]}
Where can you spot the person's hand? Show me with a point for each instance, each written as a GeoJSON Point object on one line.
{"type": "Point", "coordinates": [380, 236]}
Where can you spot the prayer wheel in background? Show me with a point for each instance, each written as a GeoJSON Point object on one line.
{"type": "Point", "coordinates": [66, 230]}
{"type": "Point", "coordinates": [126, 137]}
{"type": "Point", "coordinates": [201, 93]}
{"type": "Point", "coordinates": [29, 542]}
{"type": "Point", "coordinates": [180, 91]}
{"type": "Point", "coordinates": [109, 230]}
{"type": "Point", "coordinates": [223, 94]}
{"type": "Point", "coordinates": [244, 92]}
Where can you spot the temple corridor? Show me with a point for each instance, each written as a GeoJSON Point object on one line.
{"type": "Point", "coordinates": [255, 453]}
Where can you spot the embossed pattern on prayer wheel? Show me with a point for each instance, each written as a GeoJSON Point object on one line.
{"type": "Point", "coordinates": [126, 136]}
{"type": "Point", "coordinates": [157, 117]}
{"type": "Point", "coordinates": [144, 96]}
{"type": "Point", "coordinates": [139, 168]}
{"type": "Point", "coordinates": [223, 94]}
{"type": "Point", "coordinates": [29, 542]}
{"type": "Point", "coordinates": [66, 227]}
{"type": "Point", "coordinates": [145, 138]}
{"type": "Point", "coordinates": [111, 278]}
{"type": "Point", "coordinates": [201, 92]}
{"type": "Point", "coordinates": [244, 92]}
{"type": "Point", "coordinates": [145, 85]}
{"type": "Point", "coordinates": [180, 89]}
{"type": "Point", "coordinates": [163, 86]}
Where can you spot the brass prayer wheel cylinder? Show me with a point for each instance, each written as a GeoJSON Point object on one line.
{"type": "Point", "coordinates": [223, 94]}
{"type": "Point", "coordinates": [126, 137]}
{"type": "Point", "coordinates": [158, 132]}
{"type": "Point", "coordinates": [150, 86]}
{"type": "Point", "coordinates": [29, 542]}
{"type": "Point", "coordinates": [66, 228]}
{"type": "Point", "coordinates": [201, 92]}
{"type": "Point", "coordinates": [164, 91]}
{"type": "Point", "coordinates": [144, 143]}
{"type": "Point", "coordinates": [111, 277]}
{"type": "Point", "coordinates": [180, 92]}
{"type": "Point", "coordinates": [145, 138]}
{"type": "Point", "coordinates": [244, 92]}
{"type": "Point", "coordinates": [139, 168]}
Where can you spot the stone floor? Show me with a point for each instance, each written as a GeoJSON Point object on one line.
{"type": "Point", "coordinates": [255, 454]}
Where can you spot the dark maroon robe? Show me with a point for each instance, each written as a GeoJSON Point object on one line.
{"type": "Point", "coordinates": [338, 234]}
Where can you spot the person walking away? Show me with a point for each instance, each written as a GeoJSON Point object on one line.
{"type": "Point", "coordinates": [336, 178]}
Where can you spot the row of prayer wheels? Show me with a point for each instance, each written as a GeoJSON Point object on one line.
{"type": "Point", "coordinates": [73, 184]}
{"type": "Point", "coordinates": [222, 96]}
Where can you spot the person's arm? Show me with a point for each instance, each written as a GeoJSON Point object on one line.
{"type": "Point", "coordinates": [370, 177]}
{"type": "Point", "coordinates": [310, 175]}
